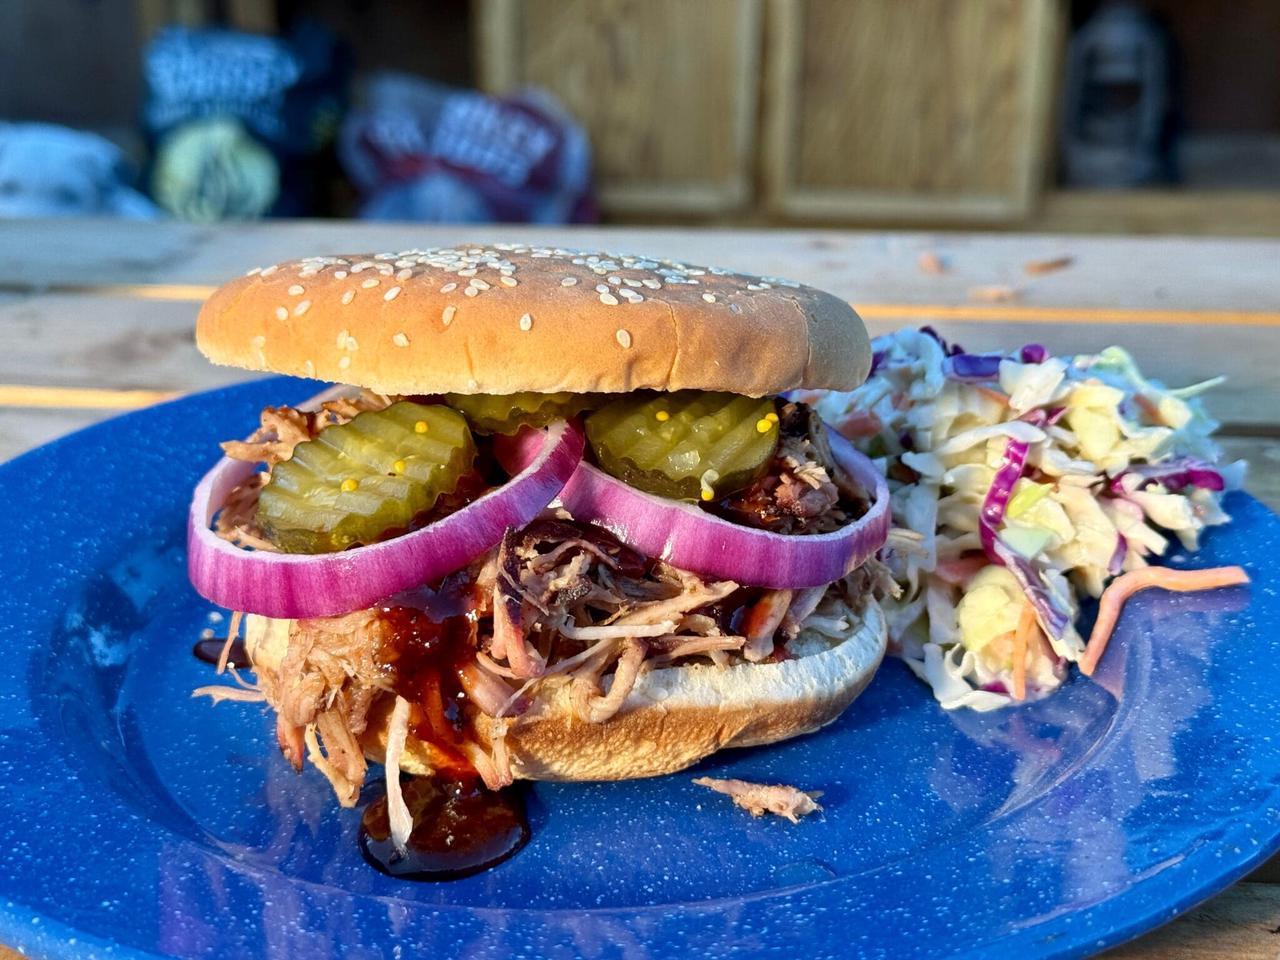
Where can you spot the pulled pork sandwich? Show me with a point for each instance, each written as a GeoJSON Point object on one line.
{"type": "Point", "coordinates": [563, 524]}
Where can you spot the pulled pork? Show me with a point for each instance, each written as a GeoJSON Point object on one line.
{"type": "Point", "coordinates": [804, 490]}
{"type": "Point", "coordinates": [761, 798]}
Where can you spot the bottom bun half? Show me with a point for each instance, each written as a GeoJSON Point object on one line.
{"type": "Point", "coordinates": [674, 717]}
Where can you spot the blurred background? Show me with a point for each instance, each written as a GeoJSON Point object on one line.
{"type": "Point", "coordinates": [1047, 115]}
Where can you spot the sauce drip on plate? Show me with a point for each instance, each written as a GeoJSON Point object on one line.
{"type": "Point", "coordinates": [459, 828]}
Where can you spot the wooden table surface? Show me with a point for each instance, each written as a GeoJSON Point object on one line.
{"type": "Point", "coordinates": [96, 317]}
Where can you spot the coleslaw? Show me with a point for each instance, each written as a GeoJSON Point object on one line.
{"type": "Point", "coordinates": [1020, 482]}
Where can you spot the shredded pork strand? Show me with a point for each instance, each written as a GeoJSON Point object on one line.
{"type": "Point", "coordinates": [398, 814]}
{"type": "Point", "coordinates": [761, 798]}
{"type": "Point", "coordinates": [590, 704]}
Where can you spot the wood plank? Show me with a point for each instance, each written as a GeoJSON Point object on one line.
{"type": "Point", "coordinates": [1240, 923]}
{"type": "Point", "coordinates": [1106, 272]}
{"type": "Point", "coordinates": [842, 75]}
{"type": "Point", "coordinates": [70, 341]}
{"type": "Point", "coordinates": [1245, 213]}
{"type": "Point", "coordinates": [598, 57]}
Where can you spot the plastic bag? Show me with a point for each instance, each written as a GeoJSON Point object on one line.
{"type": "Point", "coordinates": [421, 151]}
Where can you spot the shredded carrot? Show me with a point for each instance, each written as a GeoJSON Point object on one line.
{"type": "Point", "coordinates": [990, 394]}
{"type": "Point", "coordinates": [1147, 406]}
{"type": "Point", "coordinates": [1021, 640]}
{"type": "Point", "coordinates": [1127, 584]}
{"type": "Point", "coordinates": [233, 632]}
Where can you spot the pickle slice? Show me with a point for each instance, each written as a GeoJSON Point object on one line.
{"type": "Point", "coordinates": [506, 413]}
{"type": "Point", "coordinates": [688, 445]}
{"type": "Point", "coordinates": [360, 480]}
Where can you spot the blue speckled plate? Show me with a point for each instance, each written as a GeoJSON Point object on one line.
{"type": "Point", "coordinates": [136, 821]}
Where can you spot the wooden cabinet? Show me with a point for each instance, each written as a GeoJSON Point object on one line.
{"type": "Point", "coordinates": [794, 110]}
{"type": "Point", "coordinates": [667, 90]}
{"type": "Point", "coordinates": [907, 109]}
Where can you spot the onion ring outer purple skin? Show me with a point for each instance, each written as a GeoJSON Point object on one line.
{"type": "Point", "coordinates": [321, 585]}
{"type": "Point", "coordinates": [687, 537]}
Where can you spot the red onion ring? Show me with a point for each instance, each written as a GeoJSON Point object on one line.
{"type": "Point", "coordinates": [688, 537]}
{"type": "Point", "coordinates": [321, 585]}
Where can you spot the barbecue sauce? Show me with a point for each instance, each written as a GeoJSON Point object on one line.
{"type": "Point", "coordinates": [211, 649]}
{"type": "Point", "coordinates": [423, 653]}
{"type": "Point", "coordinates": [459, 828]}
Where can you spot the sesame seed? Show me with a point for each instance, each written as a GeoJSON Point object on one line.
{"type": "Point", "coordinates": [602, 288]}
{"type": "Point", "coordinates": [344, 362]}
{"type": "Point", "coordinates": [297, 290]}
{"type": "Point", "coordinates": [508, 280]}
{"type": "Point", "coordinates": [309, 369]}
{"type": "Point", "coordinates": [471, 292]}
{"type": "Point", "coordinates": [253, 271]}
{"type": "Point", "coordinates": [609, 299]}
{"type": "Point", "coordinates": [623, 337]}
{"type": "Point", "coordinates": [709, 297]}
{"type": "Point", "coordinates": [302, 307]}
{"type": "Point", "coordinates": [339, 274]}
{"type": "Point", "coordinates": [400, 340]}
{"type": "Point", "coordinates": [651, 284]}
{"type": "Point", "coordinates": [569, 282]}
{"type": "Point", "coordinates": [449, 288]}
{"type": "Point", "coordinates": [526, 322]}
{"type": "Point", "coordinates": [615, 280]}
{"type": "Point", "coordinates": [342, 338]}
{"type": "Point", "coordinates": [282, 313]}
{"type": "Point", "coordinates": [268, 271]}
{"type": "Point", "coordinates": [348, 297]}
{"type": "Point", "coordinates": [447, 316]}
{"type": "Point", "coordinates": [467, 272]}
{"type": "Point", "coordinates": [631, 283]}
{"type": "Point", "coordinates": [391, 294]}
{"type": "Point", "coordinates": [754, 286]}
{"type": "Point", "coordinates": [404, 274]}
{"type": "Point", "coordinates": [370, 283]}
{"type": "Point", "coordinates": [351, 344]}
{"type": "Point", "coordinates": [480, 284]}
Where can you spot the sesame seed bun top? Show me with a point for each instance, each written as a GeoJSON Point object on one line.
{"type": "Point", "coordinates": [505, 318]}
